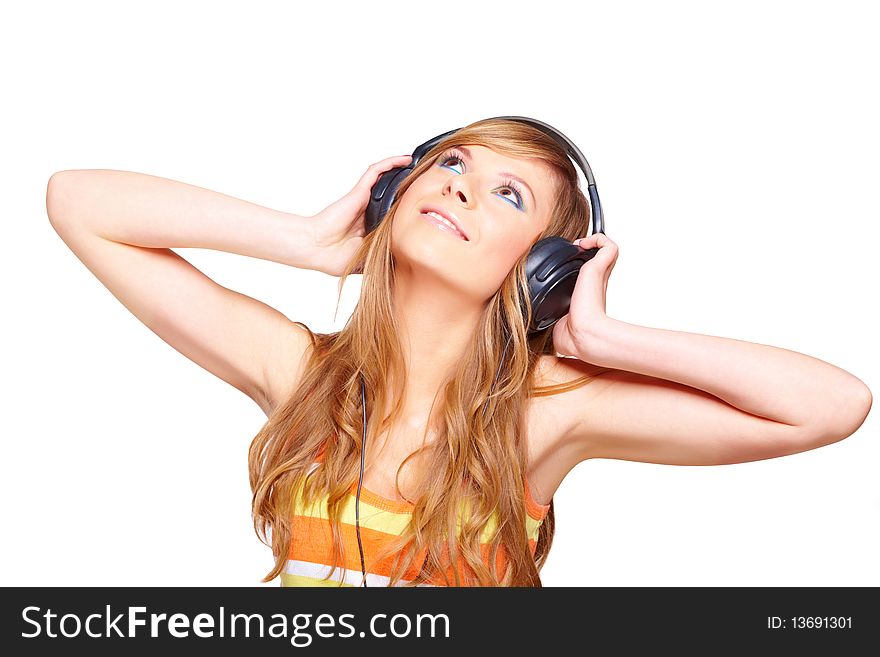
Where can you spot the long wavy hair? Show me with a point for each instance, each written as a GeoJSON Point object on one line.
{"type": "Point", "coordinates": [477, 462]}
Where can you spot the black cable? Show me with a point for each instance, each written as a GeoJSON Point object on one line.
{"type": "Point", "coordinates": [364, 451]}
{"type": "Point", "coordinates": [360, 482]}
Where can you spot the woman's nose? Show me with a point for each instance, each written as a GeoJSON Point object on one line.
{"type": "Point", "coordinates": [458, 187]}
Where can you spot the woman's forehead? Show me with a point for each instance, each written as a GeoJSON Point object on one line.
{"type": "Point", "coordinates": [536, 173]}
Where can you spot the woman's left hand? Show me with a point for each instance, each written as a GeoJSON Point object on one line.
{"type": "Point", "coordinates": [578, 333]}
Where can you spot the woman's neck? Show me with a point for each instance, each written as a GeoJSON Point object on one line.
{"type": "Point", "coordinates": [436, 325]}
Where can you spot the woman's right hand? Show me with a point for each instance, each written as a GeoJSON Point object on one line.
{"type": "Point", "coordinates": [338, 229]}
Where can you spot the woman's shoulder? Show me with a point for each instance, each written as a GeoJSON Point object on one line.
{"type": "Point", "coordinates": [287, 367]}
{"type": "Point", "coordinates": [548, 419]}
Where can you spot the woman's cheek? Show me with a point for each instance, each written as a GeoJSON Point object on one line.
{"type": "Point", "coordinates": [498, 259]}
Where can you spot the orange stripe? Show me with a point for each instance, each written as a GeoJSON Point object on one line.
{"type": "Point", "coordinates": [312, 538]}
{"type": "Point", "coordinates": [534, 509]}
{"type": "Point", "coordinates": [312, 541]}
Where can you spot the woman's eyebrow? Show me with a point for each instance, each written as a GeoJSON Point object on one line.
{"type": "Point", "coordinates": [466, 152]}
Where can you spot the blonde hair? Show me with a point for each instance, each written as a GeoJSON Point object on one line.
{"type": "Point", "coordinates": [479, 461]}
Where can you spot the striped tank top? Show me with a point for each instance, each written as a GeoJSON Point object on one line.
{"type": "Point", "coordinates": [380, 518]}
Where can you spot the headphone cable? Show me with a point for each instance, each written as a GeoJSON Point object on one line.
{"type": "Point", "coordinates": [360, 482]}
{"type": "Point", "coordinates": [357, 502]}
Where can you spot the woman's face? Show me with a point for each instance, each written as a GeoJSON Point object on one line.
{"type": "Point", "coordinates": [501, 204]}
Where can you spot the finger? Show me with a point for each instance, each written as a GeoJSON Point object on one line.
{"type": "Point", "coordinates": [371, 175]}
{"type": "Point", "coordinates": [607, 248]}
{"type": "Point", "coordinates": [388, 162]}
{"type": "Point", "coordinates": [599, 239]}
{"type": "Point", "coordinates": [586, 242]}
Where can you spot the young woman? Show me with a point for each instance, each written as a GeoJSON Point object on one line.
{"type": "Point", "coordinates": [460, 467]}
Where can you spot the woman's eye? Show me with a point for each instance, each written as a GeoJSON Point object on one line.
{"type": "Point", "coordinates": [512, 194]}
{"type": "Point", "coordinates": [444, 162]}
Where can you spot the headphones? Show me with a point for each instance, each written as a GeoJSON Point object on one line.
{"type": "Point", "coordinates": [552, 265]}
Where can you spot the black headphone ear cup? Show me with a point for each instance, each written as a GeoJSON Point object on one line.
{"type": "Point", "coordinates": [552, 268]}
{"type": "Point", "coordinates": [384, 190]}
{"type": "Point", "coordinates": [382, 195]}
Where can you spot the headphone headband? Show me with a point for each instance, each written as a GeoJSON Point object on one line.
{"type": "Point", "coordinates": [552, 264]}
{"type": "Point", "coordinates": [567, 145]}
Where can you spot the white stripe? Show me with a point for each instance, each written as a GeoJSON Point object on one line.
{"type": "Point", "coordinates": [353, 577]}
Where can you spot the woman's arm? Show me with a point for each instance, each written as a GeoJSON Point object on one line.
{"type": "Point", "coordinates": [149, 211]}
{"type": "Point", "coordinates": [690, 399]}
{"type": "Point", "coordinates": [778, 384]}
{"type": "Point", "coordinates": [686, 398]}
{"type": "Point", "coordinates": [122, 225]}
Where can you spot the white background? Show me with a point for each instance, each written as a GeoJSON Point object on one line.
{"type": "Point", "coordinates": [735, 151]}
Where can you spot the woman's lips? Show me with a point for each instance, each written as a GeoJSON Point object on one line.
{"type": "Point", "coordinates": [442, 226]}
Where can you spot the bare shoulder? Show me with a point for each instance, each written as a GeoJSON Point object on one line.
{"type": "Point", "coordinates": [549, 420]}
{"type": "Point", "coordinates": [285, 369]}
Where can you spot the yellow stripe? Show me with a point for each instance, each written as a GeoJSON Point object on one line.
{"type": "Point", "coordinates": [390, 522]}
{"type": "Point", "coordinates": [370, 516]}
{"type": "Point", "coordinates": [532, 527]}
